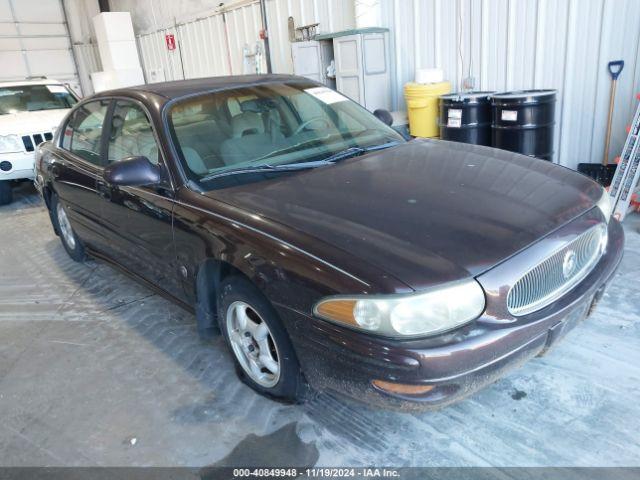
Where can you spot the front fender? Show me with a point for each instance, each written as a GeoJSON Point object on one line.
{"type": "Point", "coordinates": [290, 268]}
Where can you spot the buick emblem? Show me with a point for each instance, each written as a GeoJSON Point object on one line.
{"type": "Point", "coordinates": [569, 263]}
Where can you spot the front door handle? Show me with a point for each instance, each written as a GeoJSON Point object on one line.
{"type": "Point", "coordinates": [104, 190]}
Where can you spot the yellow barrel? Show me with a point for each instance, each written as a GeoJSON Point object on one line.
{"type": "Point", "coordinates": [422, 107]}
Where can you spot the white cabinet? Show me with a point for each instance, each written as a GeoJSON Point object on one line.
{"type": "Point", "coordinates": [348, 58]}
{"type": "Point", "coordinates": [311, 59]}
{"type": "Point", "coordinates": [362, 64]}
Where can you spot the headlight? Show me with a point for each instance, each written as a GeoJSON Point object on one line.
{"type": "Point", "coordinates": [10, 144]}
{"type": "Point", "coordinates": [416, 314]}
{"type": "Point", "coordinates": [605, 205]}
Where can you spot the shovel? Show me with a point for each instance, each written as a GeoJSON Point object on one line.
{"type": "Point", "coordinates": [615, 68]}
{"type": "Point", "coordinates": [603, 174]}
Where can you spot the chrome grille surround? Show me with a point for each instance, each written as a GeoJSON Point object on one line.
{"type": "Point", "coordinates": [558, 273]}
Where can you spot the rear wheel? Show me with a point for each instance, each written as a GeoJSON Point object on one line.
{"type": "Point", "coordinates": [6, 194]}
{"type": "Point", "coordinates": [262, 350]}
{"type": "Point", "coordinates": [70, 241]}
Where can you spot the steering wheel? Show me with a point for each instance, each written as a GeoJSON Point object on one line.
{"type": "Point", "coordinates": [306, 123]}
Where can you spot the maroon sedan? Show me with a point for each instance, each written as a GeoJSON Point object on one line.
{"type": "Point", "coordinates": [329, 251]}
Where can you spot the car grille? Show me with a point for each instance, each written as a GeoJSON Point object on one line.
{"type": "Point", "coordinates": [30, 142]}
{"type": "Point", "coordinates": [558, 273]}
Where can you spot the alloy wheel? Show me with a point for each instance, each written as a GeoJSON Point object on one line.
{"type": "Point", "coordinates": [65, 227]}
{"type": "Point", "coordinates": [253, 344]}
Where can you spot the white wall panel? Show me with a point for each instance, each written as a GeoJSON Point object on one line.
{"type": "Point", "coordinates": [203, 41]}
{"type": "Point", "coordinates": [243, 27]}
{"type": "Point", "coordinates": [621, 22]}
{"type": "Point", "coordinates": [155, 56]}
{"type": "Point", "coordinates": [209, 46]}
{"type": "Point", "coordinates": [203, 47]}
{"type": "Point", "coordinates": [331, 15]}
{"type": "Point", "coordinates": [520, 44]}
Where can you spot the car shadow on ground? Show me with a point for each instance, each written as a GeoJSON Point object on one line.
{"type": "Point", "coordinates": [25, 197]}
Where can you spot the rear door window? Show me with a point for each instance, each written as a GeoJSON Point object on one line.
{"type": "Point", "coordinates": [83, 134]}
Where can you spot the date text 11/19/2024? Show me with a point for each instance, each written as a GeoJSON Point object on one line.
{"type": "Point", "coordinates": [319, 472]}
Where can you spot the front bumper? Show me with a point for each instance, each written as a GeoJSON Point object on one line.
{"type": "Point", "coordinates": [22, 165]}
{"type": "Point", "coordinates": [454, 364]}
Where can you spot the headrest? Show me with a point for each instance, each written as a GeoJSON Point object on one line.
{"type": "Point", "coordinates": [258, 105]}
{"type": "Point", "coordinates": [247, 123]}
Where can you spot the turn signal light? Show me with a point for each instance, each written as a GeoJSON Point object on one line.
{"type": "Point", "coordinates": [402, 388]}
{"type": "Point", "coordinates": [340, 310]}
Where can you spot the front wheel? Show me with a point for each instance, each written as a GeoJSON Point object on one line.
{"type": "Point", "coordinates": [6, 193]}
{"type": "Point", "coordinates": [70, 241]}
{"type": "Point", "coordinates": [261, 348]}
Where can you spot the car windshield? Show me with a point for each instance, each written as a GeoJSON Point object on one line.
{"type": "Point", "coordinates": [31, 98]}
{"type": "Point", "coordinates": [272, 126]}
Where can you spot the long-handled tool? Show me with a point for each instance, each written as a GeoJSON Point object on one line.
{"type": "Point", "coordinates": [615, 68]}
{"type": "Point", "coordinates": [603, 173]}
{"type": "Point", "coordinates": [628, 171]}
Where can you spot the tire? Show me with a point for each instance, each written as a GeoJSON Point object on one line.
{"type": "Point", "coordinates": [70, 240]}
{"type": "Point", "coordinates": [256, 370]}
{"type": "Point", "coordinates": [6, 193]}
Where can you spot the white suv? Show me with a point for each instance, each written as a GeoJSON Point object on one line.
{"type": "Point", "coordinates": [30, 112]}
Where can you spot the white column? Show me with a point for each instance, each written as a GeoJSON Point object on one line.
{"type": "Point", "coordinates": [118, 52]}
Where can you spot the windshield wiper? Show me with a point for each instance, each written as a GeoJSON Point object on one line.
{"type": "Point", "coordinates": [297, 147]}
{"type": "Point", "coordinates": [266, 167]}
{"type": "Point", "coordinates": [346, 153]}
{"type": "Point", "coordinates": [355, 151]}
{"type": "Point", "coordinates": [320, 140]}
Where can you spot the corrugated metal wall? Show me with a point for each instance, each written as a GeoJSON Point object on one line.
{"type": "Point", "coordinates": [503, 44]}
{"type": "Point", "coordinates": [332, 15]}
{"type": "Point", "coordinates": [159, 63]}
{"type": "Point", "coordinates": [520, 44]}
{"type": "Point", "coordinates": [209, 46]}
{"type": "Point", "coordinates": [209, 49]}
{"type": "Point", "coordinates": [203, 46]}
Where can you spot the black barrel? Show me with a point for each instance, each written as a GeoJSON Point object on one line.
{"type": "Point", "coordinates": [524, 121]}
{"type": "Point", "coordinates": [466, 117]}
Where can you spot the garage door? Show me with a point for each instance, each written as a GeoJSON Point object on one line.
{"type": "Point", "coordinates": [34, 41]}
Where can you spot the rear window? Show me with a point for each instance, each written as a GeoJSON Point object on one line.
{"type": "Point", "coordinates": [33, 98]}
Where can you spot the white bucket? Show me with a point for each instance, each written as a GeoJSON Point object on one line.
{"type": "Point", "coordinates": [429, 75]}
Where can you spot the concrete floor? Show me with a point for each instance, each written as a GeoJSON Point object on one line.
{"type": "Point", "coordinates": [97, 370]}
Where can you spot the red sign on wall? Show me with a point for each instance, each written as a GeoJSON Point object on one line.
{"type": "Point", "coordinates": [171, 41]}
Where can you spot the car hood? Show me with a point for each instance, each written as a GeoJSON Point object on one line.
{"type": "Point", "coordinates": [39, 121]}
{"type": "Point", "coordinates": [426, 211]}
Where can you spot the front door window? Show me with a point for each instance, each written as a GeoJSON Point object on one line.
{"type": "Point", "coordinates": [131, 134]}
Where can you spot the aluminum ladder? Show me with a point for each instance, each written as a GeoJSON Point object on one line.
{"type": "Point", "coordinates": [627, 173]}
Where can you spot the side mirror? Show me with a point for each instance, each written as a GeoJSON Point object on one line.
{"type": "Point", "coordinates": [132, 172]}
{"type": "Point", "coordinates": [384, 116]}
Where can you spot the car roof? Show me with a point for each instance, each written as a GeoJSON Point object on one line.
{"type": "Point", "coordinates": [180, 88]}
{"type": "Point", "coordinates": [39, 81]}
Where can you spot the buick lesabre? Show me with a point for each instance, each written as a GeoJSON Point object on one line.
{"type": "Point", "coordinates": [329, 251]}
